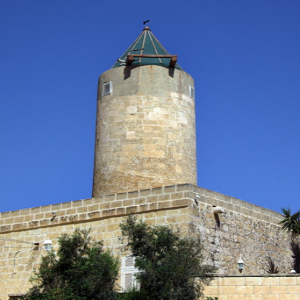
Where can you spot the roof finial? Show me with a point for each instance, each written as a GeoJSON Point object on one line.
{"type": "Point", "coordinates": [146, 27]}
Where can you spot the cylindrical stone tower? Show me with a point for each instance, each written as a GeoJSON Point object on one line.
{"type": "Point", "coordinates": [145, 132]}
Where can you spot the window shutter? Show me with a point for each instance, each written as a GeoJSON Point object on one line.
{"type": "Point", "coordinates": [128, 282]}
{"type": "Point", "coordinates": [137, 285]}
{"type": "Point", "coordinates": [129, 262]}
{"type": "Point", "coordinates": [128, 272]}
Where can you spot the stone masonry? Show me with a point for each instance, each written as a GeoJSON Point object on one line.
{"type": "Point", "coordinates": [145, 164]}
{"type": "Point", "coordinates": [243, 228]}
{"type": "Point", "coordinates": [145, 132]}
{"type": "Point", "coordinates": [259, 287]}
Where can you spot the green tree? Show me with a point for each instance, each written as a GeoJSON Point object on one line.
{"type": "Point", "coordinates": [291, 224]}
{"type": "Point", "coordinates": [81, 270]}
{"type": "Point", "coordinates": [272, 268]}
{"type": "Point", "coordinates": [171, 266]}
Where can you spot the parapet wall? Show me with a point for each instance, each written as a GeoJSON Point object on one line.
{"type": "Point", "coordinates": [272, 287]}
{"type": "Point", "coordinates": [243, 229]}
{"type": "Point", "coordinates": [130, 202]}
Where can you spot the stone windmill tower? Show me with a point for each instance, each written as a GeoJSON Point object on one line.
{"type": "Point", "coordinates": [145, 132]}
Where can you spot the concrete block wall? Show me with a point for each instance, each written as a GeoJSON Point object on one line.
{"type": "Point", "coordinates": [275, 287]}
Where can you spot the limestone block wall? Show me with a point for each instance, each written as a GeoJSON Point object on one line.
{"type": "Point", "coordinates": [166, 205]}
{"type": "Point", "coordinates": [244, 228]}
{"type": "Point", "coordinates": [145, 132]}
{"type": "Point", "coordinates": [277, 287]}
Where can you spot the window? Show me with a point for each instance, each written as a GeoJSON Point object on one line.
{"type": "Point", "coordinates": [128, 272]}
{"type": "Point", "coordinates": [107, 88]}
{"type": "Point", "coordinates": [192, 92]}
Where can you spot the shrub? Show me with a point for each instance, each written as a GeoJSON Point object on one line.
{"type": "Point", "coordinates": [81, 270]}
{"type": "Point", "coordinates": [171, 266]}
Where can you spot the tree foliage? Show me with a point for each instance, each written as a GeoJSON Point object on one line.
{"type": "Point", "coordinates": [291, 222]}
{"type": "Point", "coordinates": [272, 268]}
{"type": "Point", "coordinates": [81, 270]}
{"type": "Point", "coordinates": [170, 265]}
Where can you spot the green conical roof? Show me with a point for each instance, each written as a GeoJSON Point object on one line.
{"type": "Point", "coordinates": [146, 45]}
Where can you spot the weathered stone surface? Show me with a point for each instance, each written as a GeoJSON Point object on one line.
{"type": "Point", "coordinates": [255, 237]}
{"type": "Point", "coordinates": [145, 131]}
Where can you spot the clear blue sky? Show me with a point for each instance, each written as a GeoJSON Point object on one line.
{"type": "Point", "coordinates": [243, 54]}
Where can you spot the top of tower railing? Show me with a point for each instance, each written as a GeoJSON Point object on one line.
{"type": "Point", "coordinates": [147, 50]}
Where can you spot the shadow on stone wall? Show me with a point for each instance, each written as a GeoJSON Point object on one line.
{"type": "Point", "coordinates": [295, 248]}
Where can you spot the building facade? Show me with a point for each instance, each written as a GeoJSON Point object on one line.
{"type": "Point", "coordinates": [145, 132]}
{"type": "Point", "coordinates": [145, 164]}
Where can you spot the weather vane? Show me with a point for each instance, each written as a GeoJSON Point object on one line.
{"type": "Point", "coordinates": [146, 22]}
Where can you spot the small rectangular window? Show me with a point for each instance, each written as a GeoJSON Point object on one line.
{"type": "Point", "coordinates": [192, 92]}
{"type": "Point", "coordinates": [128, 272]}
{"type": "Point", "coordinates": [107, 88]}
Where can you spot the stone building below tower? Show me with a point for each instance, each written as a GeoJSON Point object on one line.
{"type": "Point", "coordinates": [145, 164]}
